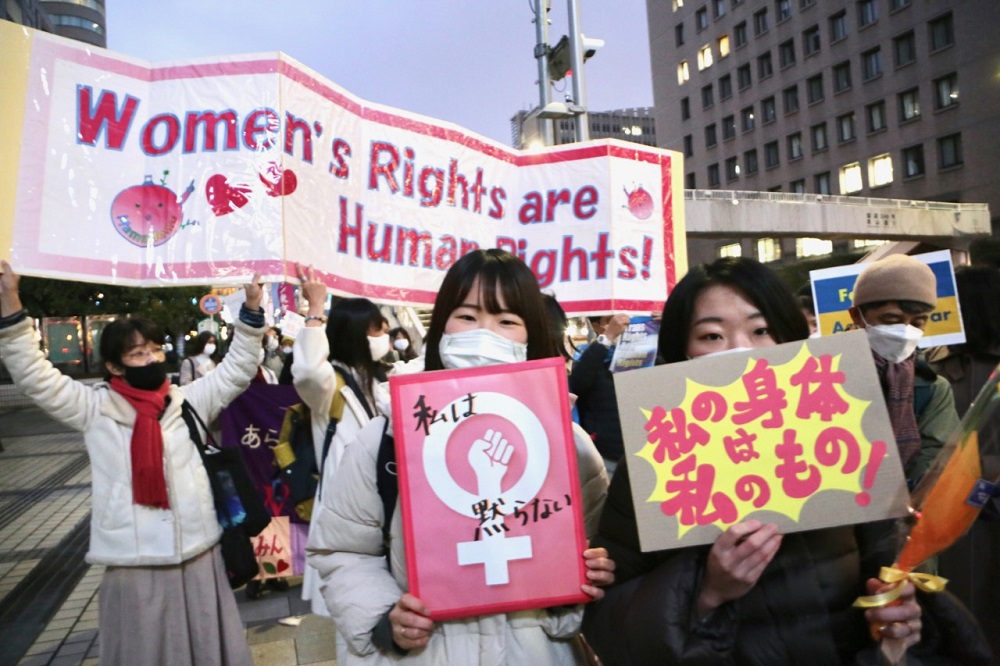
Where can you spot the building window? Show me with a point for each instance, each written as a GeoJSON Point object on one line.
{"type": "Point", "coordinates": [725, 87]}
{"type": "Point", "coordinates": [909, 105]}
{"type": "Point", "coordinates": [710, 139]}
{"type": "Point", "coordinates": [946, 91]}
{"type": "Point", "coordinates": [895, 5]}
{"type": "Point", "coordinates": [880, 170]}
{"type": "Point", "coordinates": [764, 66]}
{"type": "Point", "coordinates": [850, 178]}
{"type": "Point", "coordinates": [768, 113]}
{"type": "Point", "coordinates": [732, 169]}
{"type": "Point", "coordinates": [701, 19]}
{"type": "Point", "coordinates": [771, 157]}
{"type": "Point", "coordinates": [783, 9]}
{"type": "Point", "coordinates": [747, 119]}
{"type": "Point", "coordinates": [740, 34]}
{"type": "Point", "coordinates": [706, 97]}
{"type": "Point", "coordinates": [679, 34]}
{"type": "Point", "coordinates": [689, 181]}
{"type": "Point", "coordinates": [797, 186]}
{"type": "Point", "coordinates": [818, 134]}
{"type": "Point", "coordinates": [867, 12]}
{"type": "Point", "coordinates": [838, 26]}
{"type": "Point", "coordinates": [795, 146]}
{"type": "Point", "coordinates": [768, 249]}
{"type": "Point", "coordinates": [941, 32]}
{"type": "Point", "coordinates": [913, 161]}
{"type": "Point", "coordinates": [731, 250]}
{"type": "Point", "coordinates": [810, 41]}
{"type": "Point", "coordinates": [949, 151]}
{"type": "Point", "coordinates": [812, 247]}
{"type": "Point", "coordinates": [743, 80]}
{"type": "Point", "coordinates": [723, 43]}
{"type": "Point", "coordinates": [685, 108]}
{"type": "Point", "coordinates": [845, 128]}
{"type": "Point", "coordinates": [713, 175]}
{"type": "Point", "coordinates": [904, 49]}
{"type": "Point", "coordinates": [750, 161]}
{"type": "Point", "coordinates": [683, 72]}
{"type": "Point", "coordinates": [728, 128]}
{"type": "Point", "coordinates": [842, 76]}
{"type": "Point", "coordinates": [688, 146]}
{"type": "Point", "coordinates": [678, 4]}
{"type": "Point", "coordinates": [790, 98]}
{"type": "Point", "coordinates": [871, 64]}
{"type": "Point", "coordinates": [876, 116]}
{"type": "Point", "coordinates": [786, 54]}
{"type": "Point", "coordinates": [705, 57]}
{"type": "Point", "coordinates": [760, 25]}
{"type": "Point", "coordinates": [821, 183]}
{"type": "Point", "coordinates": [718, 8]}
{"type": "Point", "coordinates": [814, 89]}
{"type": "Point", "coordinates": [806, 3]}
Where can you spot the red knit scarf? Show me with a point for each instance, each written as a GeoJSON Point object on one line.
{"type": "Point", "coordinates": [897, 387]}
{"type": "Point", "coordinates": [149, 487]}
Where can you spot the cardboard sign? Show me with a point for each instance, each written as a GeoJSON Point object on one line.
{"type": "Point", "coordinates": [489, 488]}
{"type": "Point", "coordinates": [118, 170]}
{"type": "Point", "coordinates": [833, 288]}
{"type": "Point", "coordinates": [796, 434]}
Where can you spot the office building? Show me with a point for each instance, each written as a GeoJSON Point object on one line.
{"type": "Point", "coordinates": [895, 99]}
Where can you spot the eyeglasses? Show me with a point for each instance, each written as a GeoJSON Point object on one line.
{"type": "Point", "coordinates": [144, 353]}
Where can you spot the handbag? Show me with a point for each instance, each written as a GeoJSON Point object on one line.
{"type": "Point", "coordinates": [240, 510]}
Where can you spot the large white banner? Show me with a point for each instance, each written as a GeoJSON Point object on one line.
{"type": "Point", "coordinates": [130, 172]}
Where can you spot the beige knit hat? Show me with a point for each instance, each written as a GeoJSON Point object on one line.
{"type": "Point", "coordinates": [898, 277]}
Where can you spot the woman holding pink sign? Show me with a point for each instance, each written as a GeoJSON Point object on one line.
{"type": "Point", "coordinates": [755, 596]}
{"type": "Point", "coordinates": [489, 311]}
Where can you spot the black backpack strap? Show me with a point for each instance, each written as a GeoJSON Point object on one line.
{"type": "Point", "coordinates": [193, 420]}
{"type": "Point", "coordinates": [331, 426]}
{"type": "Point", "coordinates": [386, 480]}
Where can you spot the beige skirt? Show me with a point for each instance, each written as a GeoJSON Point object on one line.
{"type": "Point", "coordinates": [177, 615]}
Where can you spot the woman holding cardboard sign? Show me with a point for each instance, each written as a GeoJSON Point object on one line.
{"type": "Point", "coordinates": [488, 311]}
{"type": "Point", "coordinates": [755, 596]}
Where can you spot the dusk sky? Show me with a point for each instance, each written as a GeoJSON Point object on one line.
{"type": "Point", "coordinates": [470, 63]}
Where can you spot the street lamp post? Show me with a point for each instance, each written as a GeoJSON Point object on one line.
{"type": "Point", "coordinates": [579, 84]}
{"type": "Point", "coordinates": [542, 56]}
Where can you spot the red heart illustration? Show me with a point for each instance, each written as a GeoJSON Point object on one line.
{"type": "Point", "coordinates": [278, 180]}
{"type": "Point", "coordinates": [282, 565]}
{"type": "Point", "coordinates": [223, 197]}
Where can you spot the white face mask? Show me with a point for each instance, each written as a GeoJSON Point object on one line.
{"type": "Point", "coordinates": [209, 349]}
{"type": "Point", "coordinates": [272, 344]}
{"type": "Point", "coordinates": [401, 344]}
{"type": "Point", "coordinates": [379, 346]}
{"type": "Point", "coordinates": [479, 347]}
{"type": "Point", "coordinates": [287, 350]}
{"type": "Point", "coordinates": [894, 342]}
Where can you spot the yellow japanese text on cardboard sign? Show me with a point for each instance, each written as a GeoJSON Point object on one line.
{"type": "Point", "coordinates": [795, 434]}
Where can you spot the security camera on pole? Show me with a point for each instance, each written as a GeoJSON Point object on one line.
{"type": "Point", "coordinates": [554, 63]}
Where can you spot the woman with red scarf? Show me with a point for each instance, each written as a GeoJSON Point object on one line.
{"type": "Point", "coordinates": [164, 597]}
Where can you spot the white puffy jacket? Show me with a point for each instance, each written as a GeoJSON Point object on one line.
{"type": "Point", "coordinates": [123, 533]}
{"type": "Point", "coordinates": [346, 547]}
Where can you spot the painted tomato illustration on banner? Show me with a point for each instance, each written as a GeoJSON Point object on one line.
{"type": "Point", "coordinates": [640, 203]}
{"type": "Point", "coordinates": [148, 213]}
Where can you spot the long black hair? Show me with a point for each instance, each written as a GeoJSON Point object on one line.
{"type": "Point", "coordinates": [347, 329]}
{"type": "Point", "coordinates": [758, 283]}
{"type": "Point", "coordinates": [500, 273]}
{"type": "Point", "coordinates": [197, 345]}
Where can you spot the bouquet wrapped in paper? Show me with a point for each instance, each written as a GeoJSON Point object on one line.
{"type": "Point", "coordinates": [945, 504]}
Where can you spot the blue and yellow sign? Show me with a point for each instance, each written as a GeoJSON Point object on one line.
{"type": "Point", "coordinates": [833, 288]}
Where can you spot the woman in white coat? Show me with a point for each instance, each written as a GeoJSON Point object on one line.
{"type": "Point", "coordinates": [164, 597]}
{"type": "Point", "coordinates": [488, 311]}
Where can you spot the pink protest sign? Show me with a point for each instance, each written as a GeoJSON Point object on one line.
{"type": "Point", "coordinates": [489, 488]}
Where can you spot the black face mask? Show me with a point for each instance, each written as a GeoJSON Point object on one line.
{"type": "Point", "coordinates": [146, 377]}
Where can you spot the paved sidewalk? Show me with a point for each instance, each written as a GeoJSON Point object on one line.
{"type": "Point", "coordinates": [48, 594]}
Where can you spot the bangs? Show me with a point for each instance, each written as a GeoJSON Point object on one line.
{"type": "Point", "coordinates": [493, 288]}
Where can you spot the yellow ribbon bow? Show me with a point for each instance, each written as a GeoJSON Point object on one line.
{"type": "Point", "coordinates": [896, 577]}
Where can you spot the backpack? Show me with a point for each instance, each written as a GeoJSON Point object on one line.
{"type": "Point", "coordinates": [295, 453]}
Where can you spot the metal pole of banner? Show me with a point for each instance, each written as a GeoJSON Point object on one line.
{"type": "Point", "coordinates": [579, 84]}
{"type": "Point", "coordinates": [542, 56]}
